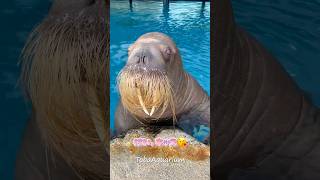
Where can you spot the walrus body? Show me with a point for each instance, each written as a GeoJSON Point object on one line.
{"type": "Point", "coordinates": [38, 162]}
{"type": "Point", "coordinates": [264, 126]}
{"type": "Point", "coordinates": [64, 73]}
{"type": "Point", "coordinates": [156, 91]}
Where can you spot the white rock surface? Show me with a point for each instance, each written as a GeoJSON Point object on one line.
{"type": "Point", "coordinates": [130, 163]}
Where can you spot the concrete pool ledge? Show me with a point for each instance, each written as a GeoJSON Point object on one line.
{"type": "Point", "coordinates": [158, 161]}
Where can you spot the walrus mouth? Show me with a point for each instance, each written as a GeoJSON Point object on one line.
{"type": "Point", "coordinates": [145, 91]}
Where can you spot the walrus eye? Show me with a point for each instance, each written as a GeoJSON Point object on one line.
{"type": "Point", "coordinates": [167, 53]}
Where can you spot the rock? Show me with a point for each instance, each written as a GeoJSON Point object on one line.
{"type": "Point", "coordinates": [158, 156]}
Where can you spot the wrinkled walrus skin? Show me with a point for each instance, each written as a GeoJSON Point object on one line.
{"type": "Point", "coordinates": [264, 126]}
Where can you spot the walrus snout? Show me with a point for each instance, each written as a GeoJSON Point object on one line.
{"type": "Point", "coordinates": [154, 51]}
{"type": "Point", "coordinates": [148, 58]}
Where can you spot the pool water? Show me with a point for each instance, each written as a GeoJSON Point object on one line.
{"type": "Point", "coordinates": [17, 17]}
{"type": "Point", "coordinates": [290, 29]}
{"type": "Point", "coordinates": [187, 23]}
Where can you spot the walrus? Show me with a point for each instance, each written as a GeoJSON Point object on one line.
{"type": "Point", "coordinates": [264, 127]}
{"type": "Point", "coordinates": [156, 91]}
{"type": "Point", "coordinates": [65, 65]}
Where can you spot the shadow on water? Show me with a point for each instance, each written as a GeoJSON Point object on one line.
{"type": "Point", "coordinates": [165, 11]}
{"type": "Point", "coordinates": [130, 6]}
{"type": "Point", "coordinates": [203, 5]}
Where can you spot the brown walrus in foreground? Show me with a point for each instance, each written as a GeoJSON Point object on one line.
{"type": "Point", "coordinates": [264, 126]}
{"type": "Point", "coordinates": [155, 90]}
{"type": "Point", "coordinates": [64, 72]}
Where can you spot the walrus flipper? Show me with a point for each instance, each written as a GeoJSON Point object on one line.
{"type": "Point", "coordinates": [124, 121]}
{"type": "Point", "coordinates": [197, 122]}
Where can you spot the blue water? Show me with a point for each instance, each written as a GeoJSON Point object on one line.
{"type": "Point", "coordinates": [17, 19]}
{"type": "Point", "coordinates": [187, 23]}
{"type": "Point", "coordinates": [290, 29]}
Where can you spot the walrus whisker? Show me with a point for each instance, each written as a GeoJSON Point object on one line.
{"type": "Point", "coordinates": [148, 90]}
{"type": "Point", "coordinates": [58, 58]}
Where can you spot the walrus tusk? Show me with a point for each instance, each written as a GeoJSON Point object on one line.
{"type": "Point", "coordinates": [142, 104]}
{"type": "Point", "coordinates": [153, 107]}
{"type": "Point", "coordinates": [152, 110]}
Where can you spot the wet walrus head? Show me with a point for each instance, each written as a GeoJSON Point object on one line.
{"type": "Point", "coordinates": [64, 72]}
{"type": "Point", "coordinates": [151, 77]}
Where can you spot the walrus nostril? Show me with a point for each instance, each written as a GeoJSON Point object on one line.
{"type": "Point", "coordinates": [143, 59]}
